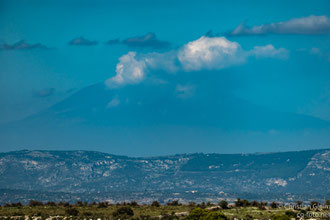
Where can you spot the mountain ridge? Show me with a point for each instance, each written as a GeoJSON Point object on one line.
{"type": "Point", "coordinates": [295, 174]}
{"type": "Point", "coordinates": [168, 155]}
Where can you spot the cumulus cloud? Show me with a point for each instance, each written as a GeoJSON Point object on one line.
{"type": "Point", "coordinates": [81, 41]}
{"type": "Point", "coordinates": [315, 51]}
{"type": "Point", "coordinates": [129, 70]}
{"type": "Point", "coordinates": [269, 51]}
{"type": "Point", "coordinates": [210, 53]}
{"type": "Point", "coordinates": [149, 40]}
{"type": "Point", "coordinates": [44, 92]}
{"type": "Point", "coordinates": [162, 61]}
{"type": "Point", "coordinates": [305, 25]}
{"type": "Point", "coordinates": [22, 45]}
{"type": "Point", "coordinates": [205, 53]}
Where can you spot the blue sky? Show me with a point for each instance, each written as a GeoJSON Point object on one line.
{"type": "Point", "coordinates": [279, 58]}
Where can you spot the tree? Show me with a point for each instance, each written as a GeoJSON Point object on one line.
{"type": "Point", "coordinates": [274, 205]}
{"type": "Point", "coordinates": [242, 203]}
{"type": "Point", "coordinates": [223, 204]}
{"type": "Point", "coordinates": [155, 204]}
{"type": "Point", "coordinates": [173, 203]}
{"type": "Point", "coordinates": [255, 203]}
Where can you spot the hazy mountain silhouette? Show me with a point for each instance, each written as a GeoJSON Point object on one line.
{"type": "Point", "coordinates": [151, 119]}
{"type": "Point", "coordinates": [162, 104]}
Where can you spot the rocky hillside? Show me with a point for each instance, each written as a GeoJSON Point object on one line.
{"type": "Point", "coordinates": [303, 173]}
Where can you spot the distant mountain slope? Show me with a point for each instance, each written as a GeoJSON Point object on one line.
{"type": "Point", "coordinates": [164, 105]}
{"type": "Point", "coordinates": [160, 119]}
{"type": "Point", "coordinates": [304, 173]}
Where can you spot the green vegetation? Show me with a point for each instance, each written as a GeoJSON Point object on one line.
{"type": "Point", "coordinates": [240, 209]}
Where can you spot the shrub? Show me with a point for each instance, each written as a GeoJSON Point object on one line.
{"type": "Point", "coordinates": [18, 214]}
{"type": "Point", "coordinates": [242, 203]}
{"type": "Point", "coordinates": [291, 214]}
{"type": "Point", "coordinates": [79, 203]}
{"type": "Point", "coordinates": [223, 204]}
{"type": "Point", "coordinates": [214, 216]}
{"type": "Point", "coordinates": [249, 217]}
{"type": "Point", "coordinates": [35, 203]}
{"type": "Point", "coordinates": [18, 204]}
{"type": "Point", "coordinates": [155, 203]}
{"type": "Point", "coordinates": [314, 205]}
{"type": "Point", "coordinates": [134, 204]}
{"type": "Point", "coordinates": [50, 203]}
{"type": "Point", "coordinates": [281, 217]}
{"type": "Point", "coordinates": [123, 212]}
{"type": "Point", "coordinates": [255, 203]}
{"type": "Point", "coordinates": [261, 207]}
{"type": "Point", "coordinates": [87, 214]}
{"type": "Point", "coordinates": [274, 205]}
{"type": "Point", "coordinates": [145, 217]}
{"type": "Point", "coordinates": [192, 204]}
{"type": "Point", "coordinates": [209, 204]}
{"type": "Point", "coordinates": [72, 211]}
{"type": "Point", "coordinates": [166, 216]}
{"type": "Point", "coordinates": [66, 204]}
{"type": "Point", "coordinates": [202, 205]}
{"type": "Point", "coordinates": [102, 205]}
{"type": "Point", "coordinates": [173, 203]}
{"type": "Point", "coordinates": [197, 214]}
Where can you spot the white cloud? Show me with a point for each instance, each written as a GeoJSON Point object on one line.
{"type": "Point", "coordinates": [113, 103]}
{"type": "Point", "coordinates": [184, 91]}
{"type": "Point", "coordinates": [209, 53]}
{"type": "Point", "coordinates": [305, 25]}
{"type": "Point", "coordinates": [315, 51]}
{"type": "Point", "coordinates": [162, 61]}
{"type": "Point", "coordinates": [205, 53]}
{"type": "Point", "coordinates": [129, 70]}
{"type": "Point", "coordinates": [269, 51]}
